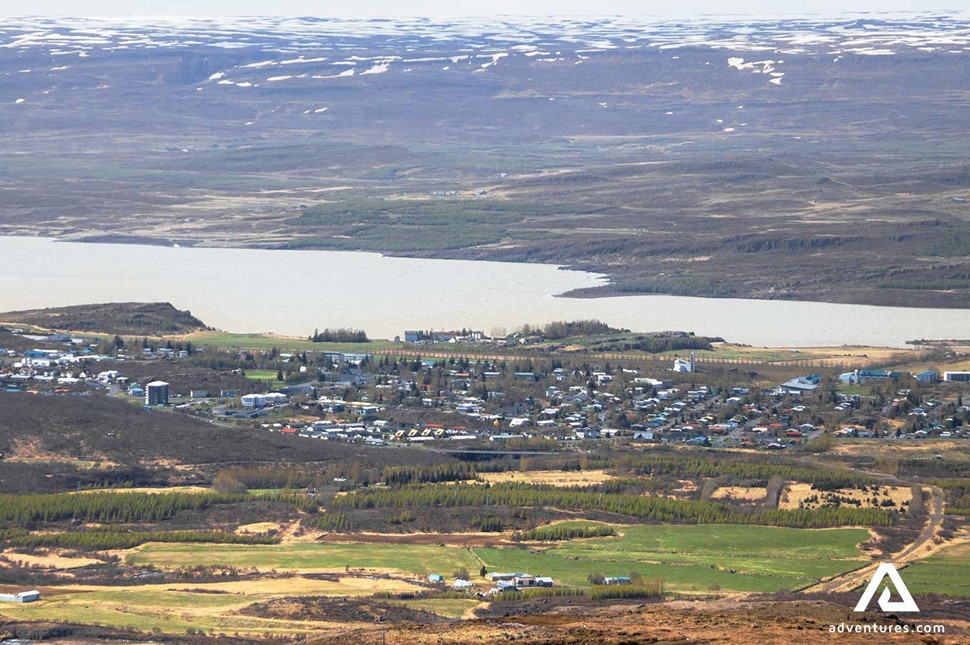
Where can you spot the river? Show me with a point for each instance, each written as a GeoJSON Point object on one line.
{"type": "Point", "coordinates": [295, 292]}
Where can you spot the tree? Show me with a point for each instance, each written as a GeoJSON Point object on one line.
{"type": "Point", "coordinates": [483, 571]}
{"type": "Point", "coordinates": [224, 482]}
{"type": "Point", "coordinates": [279, 375]}
{"type": "Point", "coordinates": [357, 472]}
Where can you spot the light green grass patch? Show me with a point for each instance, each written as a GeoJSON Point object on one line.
{"type": "Point", "coordinates": [170, 612]}
{"type": "Point", "coordinates": [261, 375]}
{"type": "Point", "coordinates": [420, 559]}
{"type": "Point", "coordinates": [742, 558]}
{"type": "Point", "coordinates": [946, 573]}
{"type": "Point", "coordinates": [227, 341]}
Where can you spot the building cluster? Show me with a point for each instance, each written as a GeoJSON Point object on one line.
{"type": "Point", "coordinates": [431, 336]}
{"type": "Point", "coordinates": [371, 434]}
{"type": "Point", "coordinates": [379, 401]}
{"type": "Point", "coordinates": [68, 370]}
{"type": "Point", "coordinates": [504, 582]}
{"type": "Point", "coordinates": [506, 404]}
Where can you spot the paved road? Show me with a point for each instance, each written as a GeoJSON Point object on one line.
{"type": "Point", "coordinates": [914, 551]}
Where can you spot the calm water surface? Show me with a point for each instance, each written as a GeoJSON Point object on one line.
{"type": "Point", "coordinates": [294, 292]}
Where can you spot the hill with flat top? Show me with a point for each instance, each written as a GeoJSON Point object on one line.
{"type": "Point", "coordinates": [52, 443]}
{"type": "Point", "coordinates": [123, 318]}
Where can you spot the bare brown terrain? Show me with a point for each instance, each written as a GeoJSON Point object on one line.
{"type": "Point", "coordinates": [720, 621]}
{"type": "Point", "coordinates": [675, 158]}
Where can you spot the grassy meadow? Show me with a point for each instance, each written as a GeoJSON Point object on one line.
{"type": "Point", "coordinates": [209, 607]}
{"type": "Point", "coordinates": [696, 558]}
{"type": "Point", "coordinates": [689, 558]}
{"type": "Point", "coordinates": [946, 573]}
{"type": "Point", "coordinates": [419, 559]}
{"type": "Point", "coordinates": [221, 340]}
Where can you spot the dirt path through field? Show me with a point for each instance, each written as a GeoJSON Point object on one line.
{"type": "Point", "coordinates": [923, 546]}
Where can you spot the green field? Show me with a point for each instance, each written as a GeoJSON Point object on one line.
{"type": "Point", "coordinates": [226, 341]}
{"type": "Point", "coordinates": [946, 573]}
{"type": "Point", "coordinates": [210, 607]}
{"type": "Point", "coordinates": [146, 608]}
{"type": "Point", "coordinates": [692, 558]}
{"type": "Point", "coordinates": [261, 375]}
{"type": "Point", "coordinates": [689, 558]}
{"type": "Point", "coordinates": [419, 559]}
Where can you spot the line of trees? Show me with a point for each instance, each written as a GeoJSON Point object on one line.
{"type": "Point", "coordinates": [102, 539]}
{"type": "Point", "coordinates": [270, 477]}
{"type": "Point", "coordinates": [652, 509]}
{"type": "Point", "coordinates": [565, 329]}
{"type": "Point", "coordinates": [957, 495]}
{"type": "Point", "coordinates": [564, 532]}
{"type": "Point", "coordinates": [106, 507]}
{"type": "Point", "coordinates": [402, 475]}
{"type": "Point", "coordinates": [660, 344]}
{"type": "Point", "coordinates": [686, 466]}
{"type": "Point", "coordinates": [123, 508]}
{"type": "Point", "coordinates": [340, 335]}
{"type": "Point", "coordinates": [336, 522]}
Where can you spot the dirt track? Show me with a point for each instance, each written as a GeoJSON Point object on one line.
{"type": "Point", "coordinates": [920, 548]}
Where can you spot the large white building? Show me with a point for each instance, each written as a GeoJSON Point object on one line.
{"type": "Point", "coordinates": [954, 377]}
{"type": "Point", "coordinates": [681, 365]}
{"type": "Point", "coordinates": [263, 400]}
{"type": "Point", "coordinates": [156, 393]}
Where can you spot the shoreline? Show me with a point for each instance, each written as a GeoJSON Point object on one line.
{"type": "Point", "coordinates": [866, 297]}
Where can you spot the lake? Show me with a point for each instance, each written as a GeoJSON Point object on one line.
{"type": "Point", "coordinates": [295, 292]}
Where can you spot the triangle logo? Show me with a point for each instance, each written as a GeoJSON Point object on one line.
{"type": "Point", "coordinates": [906, 604]}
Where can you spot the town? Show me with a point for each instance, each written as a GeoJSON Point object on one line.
{"type": "Point", "coordinates": [455, 391]}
